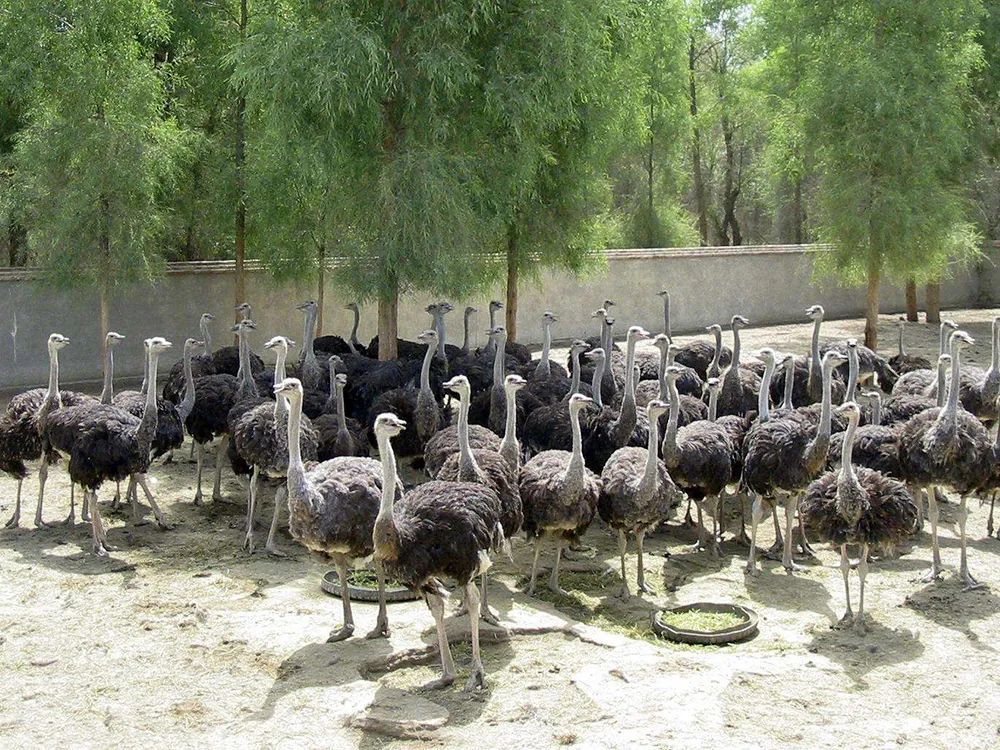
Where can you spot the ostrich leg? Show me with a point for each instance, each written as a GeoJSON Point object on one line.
{"type": "Point", "coordinates": [142, 481]}
{"type": "Point", "coordinates": [714, 508]}
{"type": "Point", "coordinates": [485, 613]}
{"type": "Point", "coordinates": [100, 538]}
{"type": "Point", "coordinates": [641, 584]}
{"type": "Point", "coordinates": [554, 576]}
{"type": "Point", "coordinates": [117, 499]}
{"type": "Point", "coordinates": [699, 546]}
{"type": "Point", "coordinates": [84, 504]}
{"type": "Point", "coordinates": [201, 464]}
{"type": "Point", "coordinates": [688, 521]}
{"type": "Point", "coordinates": [989, 521]}
{"type": "Point", "coordinates": [963, 570]}
{"type": "Point", "coordinates": [623, 592]}
{"type": "Point", "coordinates": [252, 510]}
{"type": "Point", "coordinates": [932, 515]}
{"type": "Point", "coordinates": [804, 547]}
{"type": "Point", "coordinates": [845, 571]}
{"type": "Point", "coordinates": [43, 475]}
{"type": "Point", "coordinates": [859, 621]}
{"type": "Point", "coordinates": [347, 629]}
{"type": "Point", "coordinates": [477, 679]}
{"type": "Point", "coordinates": [436, 605]}
{"type": "Point", "coordinates": [786, 557]}
{"type": "Point", "coordinates": [381, 629]}
{"type": "Point", "coordinates": [757, 515]}
{"type": "Point", "coordinates": [71, 518]}
{"type": "Point", "coordinates": [534, 566]}
{"type": "Point", "coordinates": [776, 550]}
{"type": "Point", "coordinates": [279, 499]}
{"type": "Point", "coordinates": [742, 539]}
{"type": "Point", "coordinates": [219, 455]}
{"type": "Point", "coordinates": [15, 519]}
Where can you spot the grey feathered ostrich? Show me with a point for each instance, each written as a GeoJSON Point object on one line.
{"type": "Point", "coordinates": [310, 369]}
{"type": "Point", "coordinates": [782, 456]}
{"type": "Point", "coordinates": [485, 467]}
{"type": "Point", "coordinates": [105, 442]}
{"type": "Point", "coordinates": [332, 507]}
{"type": "Point", "coordinates": [699, 459]}
{"type": "Point", "coordinates": [260, 437]}
{"type": "Point", "coordinates": [559, 494]}
{"type": "Point", "coordinates": [547, 427]}
{"type": "Point", "coordinates": [437, 530]}
{"type": "Point", "coordinates": [637, 494]}
{"type": "Point", "coordinates": [857, 506]}
{"type": "Point", "coordinates": [947, 447]}
{"type": "Point", "coordinates": [22, 428]}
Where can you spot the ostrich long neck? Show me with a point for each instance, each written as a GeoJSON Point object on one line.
{"type": "Point", "coordinates": [439, 327]}
{"type": "Point", "coordinates": [465, 332]}
{"type": "Point", "coordinates": [597, 382]}
{"type": "Point", "coordinates": [852, 373]}
{"type": "Point", "coordinates": [573, 477]}
{"type": "Point", "coordinates": [508, 446]}
{"type": "Point", "coordinates": [942, 338]}
{"type": "Point", "coordinates": [669, 447]}
{"type": "Point", "coordinates": [763, 397]}
{"type": "Point", "coordinates": [145, 378]}
{"type": "Point", "coordinates": [491, 344]}
{"type": "Point", "coordinates": [994, 351]}
{"type": "Point", "coordinates": [309, 337]}
{"type": "Point", "coordinates": [786, 402]}
{"type": "Point", "coordinates": [956, 380]}
{"type": "Point", "coordinates": [717, 354]}
{"type": "Point", "coordinates": [147, 425]}
{"type": "Point", "coordinates": [661, 372]}
{"type": "Point", "coordinates": [543, 364]}
{"type": "Point", "coordinates": [500, 341]}
{"type": "Point", "coordinates": [187, 403]}
{"type": "Point", "coordinates": [206, 337]}
{"type": "Point", "coordinates": [331, 400]}
{"type": "Point", "coordinates": [247, 387]}
{"type": "Point", "coordinates": [850, 501]}
{"type": "Point", "coordinates": [52, 397]}
{"type": "Point", "coordinates": [826, 408]}
{"type": "Point", "coordinates": [280, 407]}
{"type": "Point", "coordinates": [666, 319]}
{"type": "Point", "coordinates": [388, 458]}
{"type": "Point", "coordinates": [574, 384]}
{"type": "Point", "coordinates": [354, 329]}
{"type": "Point", "coordinates": [902, 351]}
{"type": "Point", "coordinates": [941, 380]}
{"type": "Point", "coordinates": [108, 391]}
{"type": "Point", "coordinates": [425, 370]}
{"type": "Point", "coordinates": [650, 475]}
{"type": "Point", "coordinates": [713, 404]}
{"type": "Point", "coordinates": [296, 475]}
{"type": "Point", "coordinates": [467, 467]}
{"type": "Point", "coordinates": [877, 410]}
{"type": "Point", "coordinates": [736, 346]}
{"type": "Point", "coordinates": [341, 414]}
{"type": "Point", "coordinates": [815, 367]}
{"type": "Point", "coordinates": [627, 416]}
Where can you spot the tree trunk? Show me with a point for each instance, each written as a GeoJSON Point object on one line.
{"type": "Point", "coordinates": [105, 248]}
{"type": "Point", "coordinates": [871, 307]}
{"type": "Point", "coordinates": [911, 301]}
{"type": "Point", "coordinates": [320, 284]}
{"type": "Point", "coordinates": [512, 274]}
{"type": "Point", "coordinates": [699, 181]}
{"type": "Point", "coordinates": [932, 298]}
{"type": "Point", "coordinates": [239, 291]}
{"type": "Point", "coordinates": [388, 318]}
{"type": "Point", "coordinates": [731, 234]}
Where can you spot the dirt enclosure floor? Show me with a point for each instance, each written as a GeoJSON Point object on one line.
{"type": "Point", "coordinates": [180, 639]}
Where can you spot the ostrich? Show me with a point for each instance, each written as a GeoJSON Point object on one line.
{"type": "Point", "coordinates": [175, 385]}
{"type": "Point", "coordinates": [466, 322]}
{"type": "Point", "coordinates": [902, 362]}
{"type": "Point", "coordinates": [312, 374]}
{"type": "Point", "coordinates": [418, 405]}
{"type": "Point", "coordinates": [947, 447]}
{"type": "Point", "coordinates": [111, 340]}
{"type": "Point", "coordinates": [330, 345]}
{"type": "Point", "coordinates": [215, 396]}
{"type": "Point", "coordinates": [559, 494]}
{"type": "Point", "coordinates": [921, 382]}
{"type": "Point", "coordinates": [857, 506]}
{"type": "Point", "coordinates": [547, 381]}
{"type": "Point", "coordinates": [900, 407]}
{"type": "Point", "coordinates": [519, 352]}
{"type": "Point", "coordinates": [105, 442]}
{"type": "Point", "coordinates": [875, 446]}
{"type": "Point", "coordinates": [491, 406]}
{"type": "Point", "coordinates": [688, 383]}
{"type": "Point", "coordinates": [338, 435]}
{"type": "Point", "coordinates": [704, 358]}
{"type": "Point", "coordinates": [547, 427]}
{"type": "Point", "coordinates": [734, 396]}
{"type": "Point", "coordinates": [437, 530]}
{"type": "Point", "coordinates": [699, 458]}
{"type": "Point", "coordinates": [260, 437]}
{"type": "Point", "coordinates": [781, 457]}
{"type": "Point", "coordinates": [227, 359]}
{"type": "Point", "coordinates": [510, 448]}
{"type": "Point", "coordinates": [332, 507]}
{"type": "Point", "coordinates": [22, 429]}
{"type": "Point", "coordinates": [488, 468]}
{"type": "Point", "coordinates": [637, 494]}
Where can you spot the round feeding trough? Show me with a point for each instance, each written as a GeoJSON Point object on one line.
{"type": "Point", "coordinates": [705, 623]}
{"type": "Point", "coordinates": [362, 586]}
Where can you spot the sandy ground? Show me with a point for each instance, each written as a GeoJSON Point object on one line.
{"type": "Point", "coordinates": [179, 638]}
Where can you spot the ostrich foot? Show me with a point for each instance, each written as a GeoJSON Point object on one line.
{"type": "Point", "coordinates": [477, 680]}
{"type": "Point", "coordinates": [199, 499]}
{"type": "Point", "coordinates": [13, 522]}
{"type": "Point", "coordinates": [793, 567]}
{"type": "Point", "coordinates": [742, 538]}
{"type": "Point", "coordinates": [164, 525]}
{"type": "Point", "coordinates": [486, 614]}
{"type": "Point", "coordinates": [70, 520]}
{"type": "Point", "coordinates": [970, 583]}
{"type": "Point", "coordinates": [341, 635]}
{"type": "Point", "coordinates": [932, 575]}
{"type": "Point", "coordinates": [845, 622]}
{"type": "Point", "coordinates": [102, 548]}
{"type": "Point", "coordinates": [775, 552]}
{"type": "Point", "coordinates": [248, 541]}
{"type": "Point", "coordinates": [381, 630]}
{"type": "Point", "coordinates": [804, 548]}
{"type": "Point", "coordinates": [623, 593]}
{"type": "Point", "coordinates": [555, 588]}
{"type": "Point", "coordinates": [273, 551]}
{"type": "Point", "coordinates": [645, 588]}
{"type": "Point", "coordinates": [40, 524]}
{"type": "Point", "coordinates": [217, 497]}
{"type": "Point", "coordinates": [440, 683]}
{"type": "Point", "coordinates": [859, 626]}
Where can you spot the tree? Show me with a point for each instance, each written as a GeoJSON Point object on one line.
{"type": "Point", "coordinates": [97, 149]}
{"type": "Point", "coordinates": [886, 93]}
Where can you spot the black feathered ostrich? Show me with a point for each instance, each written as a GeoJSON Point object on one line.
{"type": "Point", "coordinates": [338, 435]}
{"type": "Point", "coordinates": [637, 494]}
{"type": "Point", "coordinates": [488, 468]}
{"type": "Point", "coordinates": [857, 506]}
{"type": "Point", "coordinates": [105, 442]}
{"type": "Point", "coordinates": [437, 530]}
{"type": "Point", "coordinates": [782, 456]}
{"type": "Point", "coordinates": [902, 362]}
{"type": "Point", "coordinates": [332, 507]}
{"type": "Point", "coordinates": [947, 447]}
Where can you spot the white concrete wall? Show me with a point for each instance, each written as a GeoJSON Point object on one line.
{"type": "Point", "coordinates": [767, 284]}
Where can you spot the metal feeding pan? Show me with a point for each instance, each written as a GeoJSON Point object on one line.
{"type": "Point", "coordinates": [746, 628]}
{"type": "Point", "coordinates": [331, 585]}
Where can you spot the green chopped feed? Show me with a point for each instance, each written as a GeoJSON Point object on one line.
{"type": "Point", "coordinates": [700, 620]}
{"type": "Point", "coordinates": [366, 579]}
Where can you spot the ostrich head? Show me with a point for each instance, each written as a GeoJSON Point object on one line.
{"type": "Point", "coordinates": [244, 325]}
{"type": "Point", "coordinates": [309, 304]}
{"type": "Point", "coordinates": [497, 331]}
{"type": "Point", "coordinates": [429, 337]}
{"type": "Point", "coordinates": [458, 384]}
{"type": "Point", "coordinates": [192, 345]}
{"type": "Point", "coordinates": [445, 307]}
{"type": "Point", "coordinates": [600, 312]}
{"type": "Point", "coordinates": [290, 388]}
{"type": "Point", "coordinates": [961, 339]}
{"type": "Point", "coordinates": [663, 293]}
{"type": "Point", "coordinates": [157, 345]}
{"type": "Point", "coordinates": [870, 397]}
{"type": "Point", "coordinates": [496, 305]}
{"type": "Point", "coordinates": [57, 341]}
{"type": "Point", "coordinates": [714, 385]}
{"type": "Point", "coordinates": [662, 342]}
{"type": "Point", "coordinates": [549, 317]}
{"type": "Point", "coordinates": [206, 318]}
{"type": "Point", "coordinates": [852, 344]}
{"type": "Point", "coordinates": [352, 306]}
{"type": "Point", "coordinates": [389, 425]}
{"type": "Point", "coordinates": [280, 343]}
{"type": "Point", "coordinates": [739, 322]}
{"type": "Point", "coordinates": [577, 401]}
{"type": "Point", "coordinates": [672, 350]}
{"type": "Point", "coordinates": [470, 310]}
{"type": "Point", "coordinates": [514, 383]}
{"type": "Point", "coordinates": [341, 381]}
{"type": "Point", "coordinates": [815, 313]}
{"type": "Point", "coordinates": [243, 309]}
{"type": "Point", "coordinates": [335, 362]}
{"type": "Point", "coordinates": [767, 355]}
{"type": "Point", "coordinates": [595, 355]}
{"type": "Point", "coordinates": [673, 372]}
{"type": "Point", "coordinates": [656, 408]}
{"type": "Point", "coordinates": [579, 346]}
{"type": "Point", "coordinates": [849, 410]}
{"type": "Point", "coordinates": [113, 339]}
{"type": "Point", "coordinates": [714, 328]}
{"type": "Point", "coordinates": [432, 308]}
{"type": "Point", "coordinates": [609, 303]}
{"type": "Point", "coordinates": [833, 359]}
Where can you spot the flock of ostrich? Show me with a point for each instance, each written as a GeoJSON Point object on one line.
{"type": "Point", "coordinates": [850, 445]}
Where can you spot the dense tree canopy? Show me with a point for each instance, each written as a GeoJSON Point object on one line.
{"type": "Point", "coordinates": [447, 146]}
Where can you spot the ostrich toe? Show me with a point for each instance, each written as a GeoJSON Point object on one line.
{"type": "Point", "coordinates": [341, 635]}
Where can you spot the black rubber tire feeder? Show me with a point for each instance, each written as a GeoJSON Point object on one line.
{"type": "Point", "coordinates": [746, 628]}
{"type": "Point", "coordinates": [331, 585]}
